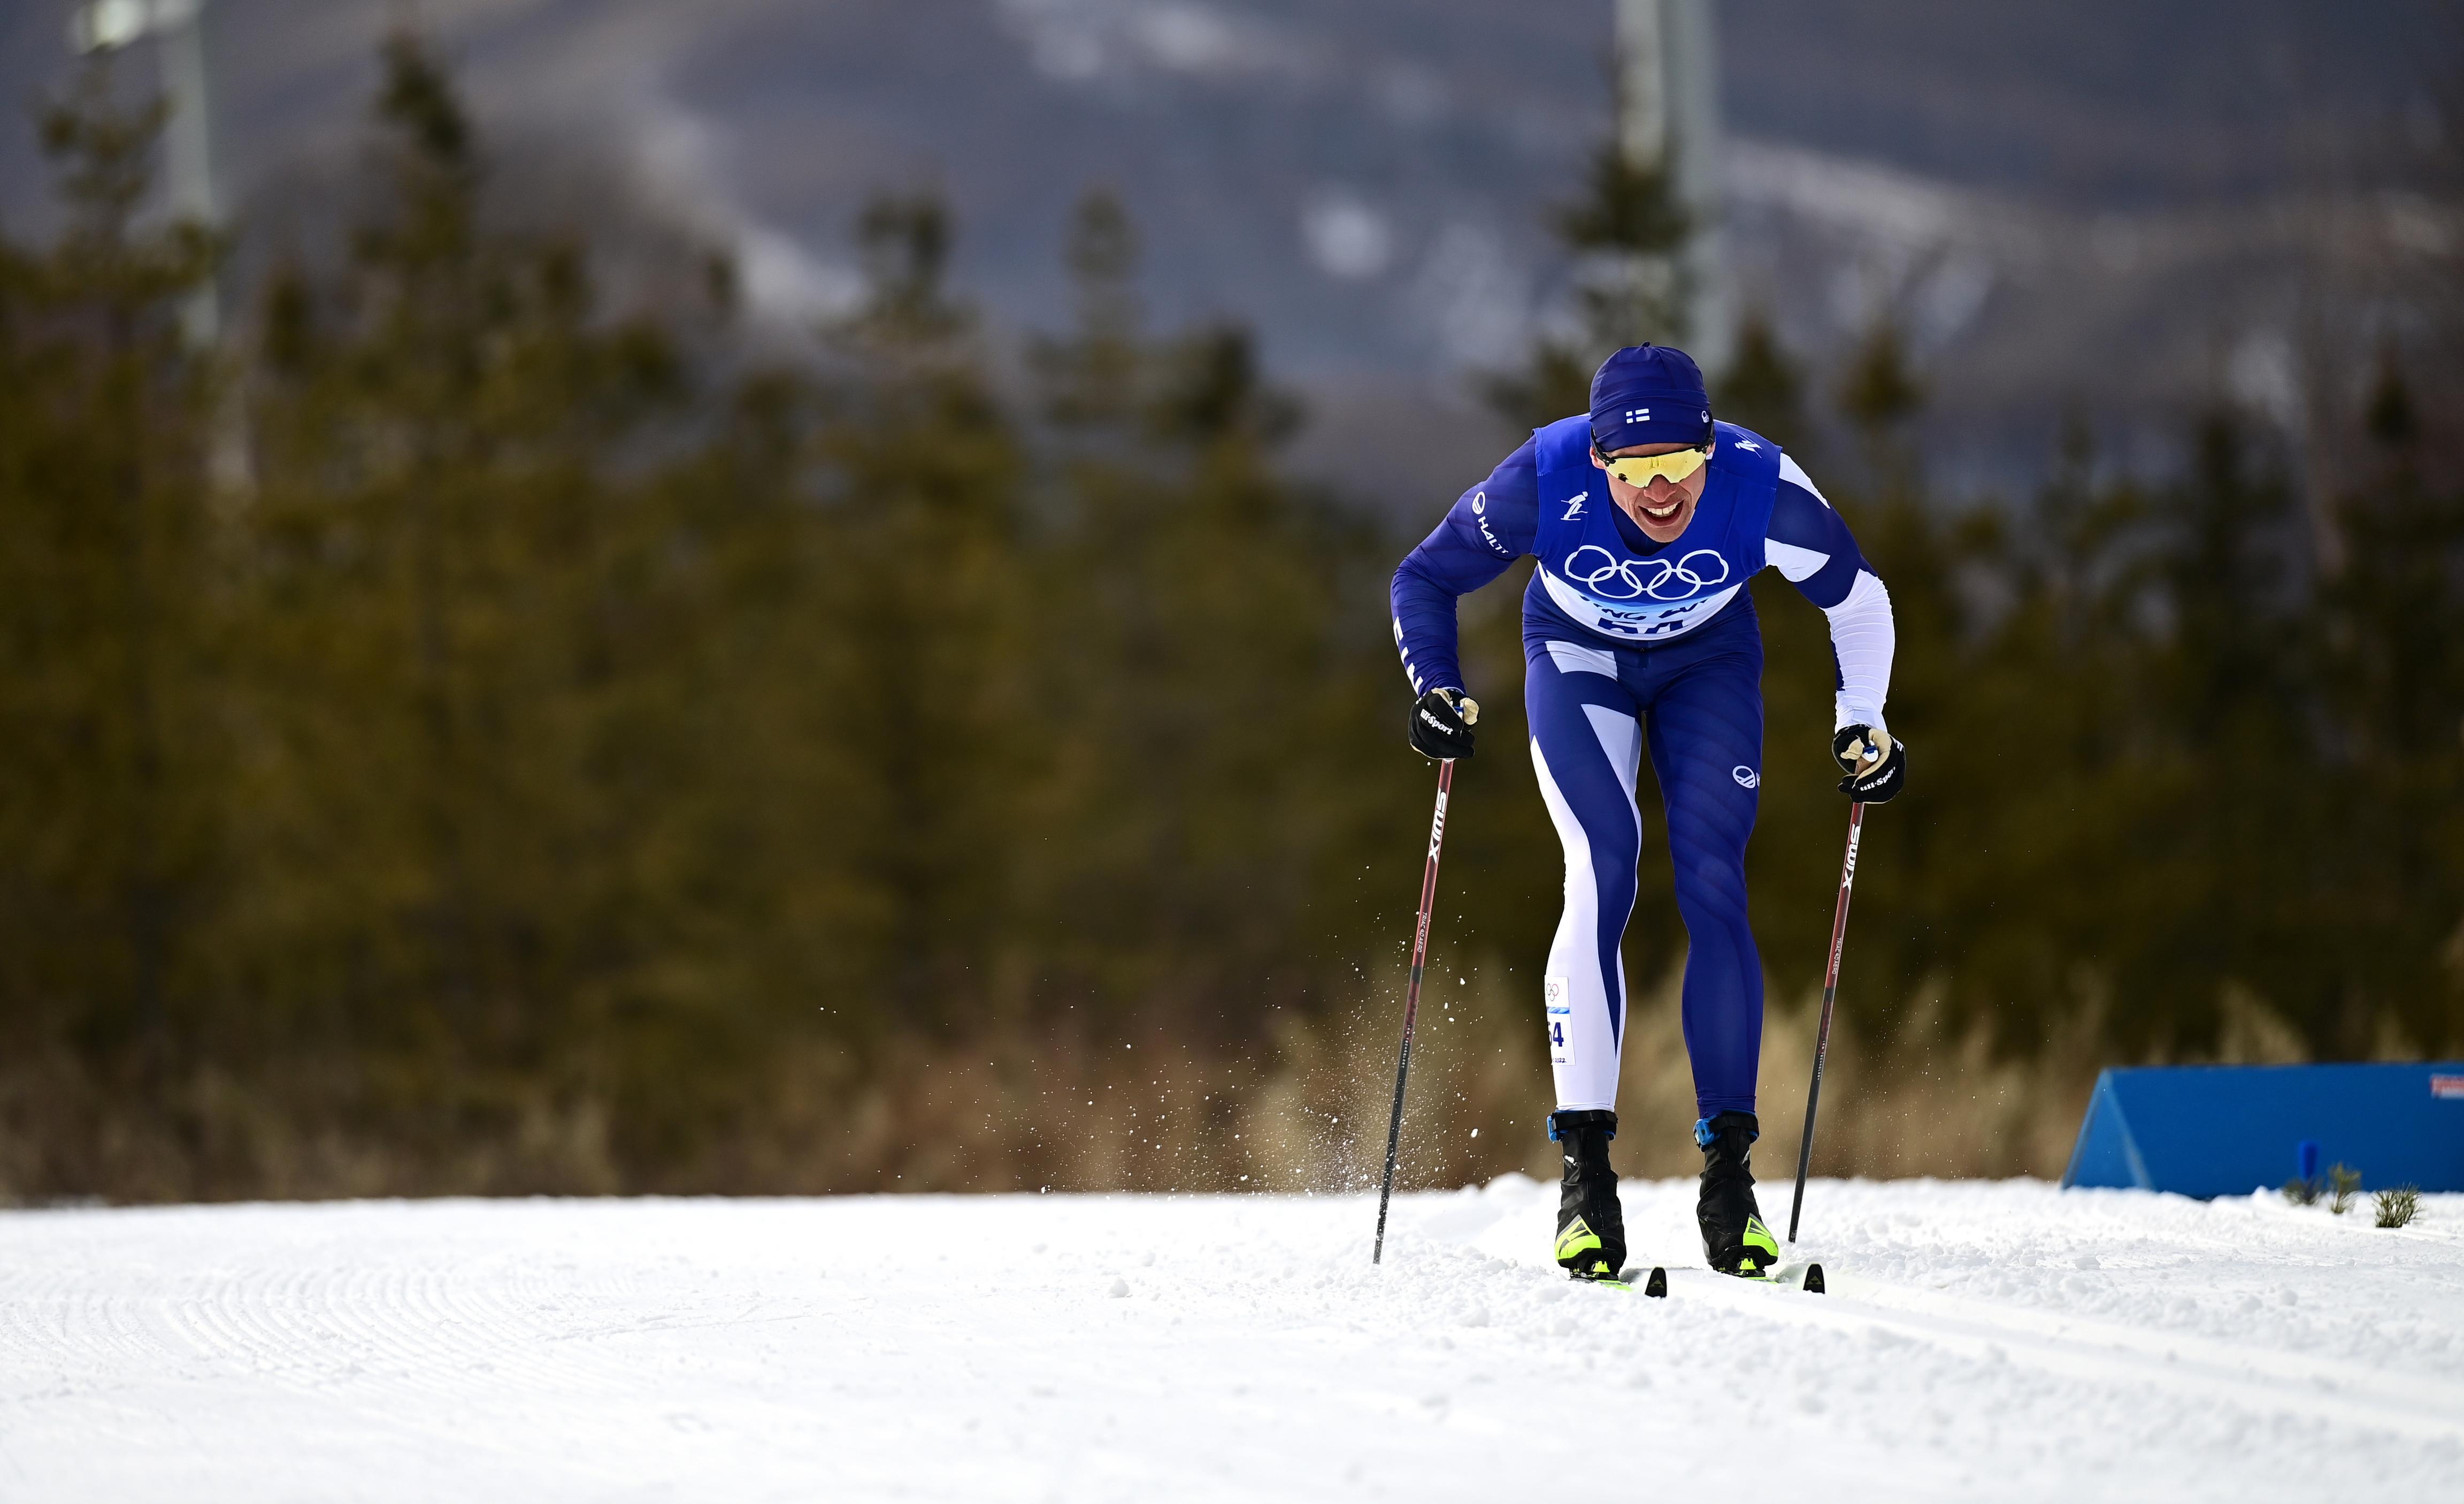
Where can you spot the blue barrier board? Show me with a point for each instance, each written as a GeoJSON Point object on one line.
{"type": "Point", "coordinates": [2228, 1130]}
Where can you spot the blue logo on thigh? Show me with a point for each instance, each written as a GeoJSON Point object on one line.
{"type": "Point", "coordinates": [1745, 777]}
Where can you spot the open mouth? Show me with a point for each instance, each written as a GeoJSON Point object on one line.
{"type": "Point", "coordinates": [1664, 514]}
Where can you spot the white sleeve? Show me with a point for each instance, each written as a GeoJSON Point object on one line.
{"type": "Point", "coordinates": [1863, 638]}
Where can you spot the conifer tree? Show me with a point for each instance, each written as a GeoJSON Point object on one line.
{"type": "Point", "coordinates": [449, 882]}
{"type": "Point", "coordinates": [2389, 644]}
{"type": "Point", "coordinates": [922, 587]}
{"type": "Point", "coordinates": [1625, 235]}
{"type": "Point", "coordinates": [1763, 389]}
{"type": "Point", "coordinates": [1189, 583]}
{"type": "Point", "coordinates": [110, 751]}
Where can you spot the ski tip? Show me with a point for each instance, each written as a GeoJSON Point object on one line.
{"type": "Point", "coordinates": [1813, 1284]}
{"type": "Point", "coordinates": [1657, 1285]}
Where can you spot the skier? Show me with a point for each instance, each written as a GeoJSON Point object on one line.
{"type": "Point", "coordinates": [1647, 517]}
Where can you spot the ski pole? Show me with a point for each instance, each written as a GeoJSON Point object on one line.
{"type": "Point", "coordinates": [1412, 999]}
{"type": "Point", "coordinates": [1830, 992]}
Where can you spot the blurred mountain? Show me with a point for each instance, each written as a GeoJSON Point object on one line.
{"type": "Point", "coordinates": [2107, 207]}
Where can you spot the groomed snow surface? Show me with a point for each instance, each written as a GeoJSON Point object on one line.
{"type": "Point", "coordinates": [1980, 1340]}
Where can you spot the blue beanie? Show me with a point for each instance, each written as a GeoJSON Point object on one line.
{"type": "Point", "coordinates": [1649, 395]}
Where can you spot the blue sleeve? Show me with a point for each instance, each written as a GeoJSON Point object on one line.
{"type": "Point", "coordinates": [1493, 524]}
{"type": "Point", "coordinates": [1810, 544]}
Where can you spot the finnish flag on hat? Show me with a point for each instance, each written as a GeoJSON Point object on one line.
{"type": "Point", "coordinates": [1649, 395]}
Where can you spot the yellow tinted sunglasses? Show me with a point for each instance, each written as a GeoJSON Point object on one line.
{"type": "Point", "coordinates": [1639, 470]}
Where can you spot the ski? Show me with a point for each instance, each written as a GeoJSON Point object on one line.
{"type": "Point", "coordinates": [1778, 1277]}
{"type": "Point", "coordinates": [1656, 1283]}
{"type": "Point", "coordinates": [1656, 1286]}
{"type": "Point", "coordinates": [1811, 1281]}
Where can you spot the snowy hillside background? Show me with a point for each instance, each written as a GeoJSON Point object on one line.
{"type": "Point", "coordinates": [2117, 209]}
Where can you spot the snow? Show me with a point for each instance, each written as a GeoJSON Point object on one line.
{"type": "Point", "coordinates": [1982, 1341]}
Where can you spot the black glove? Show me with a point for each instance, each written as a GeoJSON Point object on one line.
{"type": "Point", "coordinates": [1875, 761]}
{"type": "Point", "coordinates": [1441, 722]}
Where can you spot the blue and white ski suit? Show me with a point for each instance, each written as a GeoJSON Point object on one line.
{"type": "Point", "coordinates": [1629, 646]}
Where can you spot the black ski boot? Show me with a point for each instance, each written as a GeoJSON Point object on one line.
{"type": "Point", "coordinates": [1734, 1239]}
{"type": "Point", "coordinates": [1591, 1228]}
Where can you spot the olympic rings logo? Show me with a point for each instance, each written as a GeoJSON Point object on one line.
{"type": "Point", "coordinates": [1616, 579]}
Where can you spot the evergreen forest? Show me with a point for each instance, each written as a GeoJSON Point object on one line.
{"type": "Point", "coordinates": [469, 734]}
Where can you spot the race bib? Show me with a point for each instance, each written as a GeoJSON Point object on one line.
{"type": "Point", "coordinates": [1557, 998]}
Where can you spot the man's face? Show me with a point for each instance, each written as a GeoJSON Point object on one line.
{"type": "Point", "coordinates": [1663, 508]}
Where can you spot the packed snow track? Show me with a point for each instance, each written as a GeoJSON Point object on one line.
{"type": "Point", "coordinates": [1980, 1340]}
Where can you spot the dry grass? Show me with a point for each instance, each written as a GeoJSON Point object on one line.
{"type": "Point", "coordinates": [1303, 1111]}
{"type": "Point", "coordinates": [1307, 1111]}
{"type": "Point", "coordinates": [2396, 1208]}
